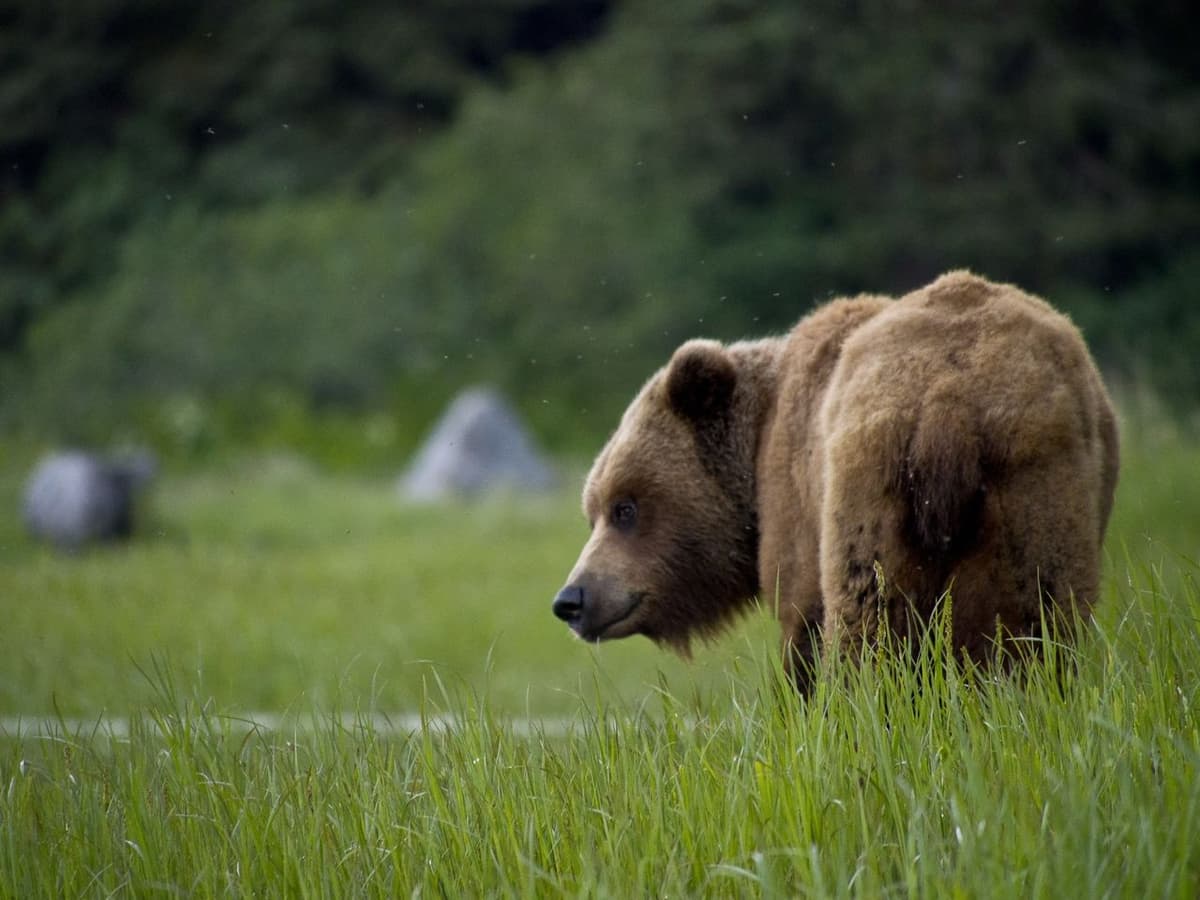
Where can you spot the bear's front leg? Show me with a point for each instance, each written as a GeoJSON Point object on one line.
{"type": "Point", "coordinates": [789, 582]}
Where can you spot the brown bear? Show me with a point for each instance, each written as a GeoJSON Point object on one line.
{"type": "Point", "coordinates": [884, 454]}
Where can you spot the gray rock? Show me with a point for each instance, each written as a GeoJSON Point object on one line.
{"type": "Point", "coordinates": [74, 498]}
{"type": "Point", "coordinates": [478, 445]}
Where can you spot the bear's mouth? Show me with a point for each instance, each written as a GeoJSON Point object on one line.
{"type": "Point", "coordinates": [612, 628]}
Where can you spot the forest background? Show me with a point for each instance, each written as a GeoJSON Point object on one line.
{"type": "Point", "coordinates": [309, 224]}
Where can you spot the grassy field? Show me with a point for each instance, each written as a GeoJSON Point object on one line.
{"type": "Point", "coordinates": [269, 586]}
{"type": "Point", "coordinates": [549, 767]}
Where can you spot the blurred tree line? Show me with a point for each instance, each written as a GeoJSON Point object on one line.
{"type": "Point", "coordinates": [227, 220]}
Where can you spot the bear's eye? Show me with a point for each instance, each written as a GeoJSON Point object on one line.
{"type": "Point", "coordinates": [624, 514]}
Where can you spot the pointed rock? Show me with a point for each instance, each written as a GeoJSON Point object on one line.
{"type": "Point", "coordinates": [479, 444]}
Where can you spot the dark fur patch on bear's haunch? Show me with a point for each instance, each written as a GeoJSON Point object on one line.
{"type": "Point", "coordinates": [944, 510]}
{"type": "Point", "coordinates": [941, 477]}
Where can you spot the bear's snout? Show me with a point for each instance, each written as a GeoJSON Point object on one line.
{"type": "Point", "coordinates": [598, 610]}
{"type": "Point", "coordinates": [568, 604]}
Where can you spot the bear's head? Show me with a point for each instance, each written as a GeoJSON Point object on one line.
{"type": "Point", "coordinates": [671, 504]}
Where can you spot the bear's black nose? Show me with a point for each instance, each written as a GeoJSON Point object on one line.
{"type": "Point", "coordinates": [568, 605]}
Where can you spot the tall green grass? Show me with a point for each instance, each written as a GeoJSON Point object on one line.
{"type": "Point", "coordinates": [893, 780]}
{"type": "Point", "coordinates": [549, 768]}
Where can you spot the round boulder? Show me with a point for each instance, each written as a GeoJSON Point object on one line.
{"type": "Point", "coordinates": [74, 498]}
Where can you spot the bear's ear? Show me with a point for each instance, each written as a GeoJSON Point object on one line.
{"type": "Point", "coordinates": [700, 380]}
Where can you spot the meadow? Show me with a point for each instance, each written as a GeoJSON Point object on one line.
{"type": "Point", "coordinates": [435, 731]}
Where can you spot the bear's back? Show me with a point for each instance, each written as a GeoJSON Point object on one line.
{"type": "Point", "coordinates": [956, 386]}
{"type": "Point", "coordinates": [978, 362]}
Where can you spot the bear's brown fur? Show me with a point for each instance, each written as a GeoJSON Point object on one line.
{"type": "Point", "coordinates": [854, 471]}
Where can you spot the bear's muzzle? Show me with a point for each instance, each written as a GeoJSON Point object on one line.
{"type": "Point", "coordinates": [595, 614]}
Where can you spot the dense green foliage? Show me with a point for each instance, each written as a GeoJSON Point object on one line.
{"type": "Point", "coordinates": [275, 588]}
{"type": "Point", "coordinates": [113, 109]}
{"type": "Point", "coordinates": [255, 211]}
